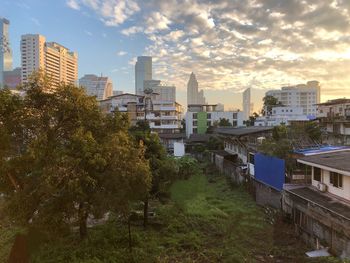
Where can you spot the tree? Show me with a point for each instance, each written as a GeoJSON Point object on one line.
{"type": "Point", "coordinates": [224, 123]}
{"type": "Point", "coordinates": [251, 120]}
{"type": "Point", "coordinates": [269, 103]}
{"type": "Point", "coordinates": [156, 155]}
{"type": "Point", "coordinates": [71, 161]}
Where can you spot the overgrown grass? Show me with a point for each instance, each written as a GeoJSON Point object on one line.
{"type": "Point", "coordinates": [204, 222]}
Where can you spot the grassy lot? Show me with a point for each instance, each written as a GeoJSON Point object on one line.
{"type": "Point", "coordinates": [203, 222]}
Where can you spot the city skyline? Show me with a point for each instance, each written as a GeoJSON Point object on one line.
{"type": "Point", "coordinates": [228, 53]}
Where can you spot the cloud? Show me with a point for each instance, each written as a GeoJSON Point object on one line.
{"type": "Point", "coordinates": [122, 53]}
{"type": "Point", "coordinates": [73, 4]}
{"type": "Point", "coordinates": [233, 44]}
{"type": "Point", "coordinates": [132, 30]}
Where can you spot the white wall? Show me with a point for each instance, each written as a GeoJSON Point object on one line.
{"type": "Point", "coordinates": [343, 192]}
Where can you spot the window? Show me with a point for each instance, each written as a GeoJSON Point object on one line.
{"type": "Point", "coordinates": [195, 130]}
{"type": "Point", "coordinates": [208, 123]}
{"type": "Point", "coordinates": [336, 179]}
{"type": "Point", "coordinates": [208, 116]}
{"type": "Point", "coordinates": [234, 115]}
{"type": "Point", "coordinates": [251, 158]}
{"type": "Point", "coordinates": [194, 115]}
{"type": "Point", "coordinates": [317, 174]}
{"type": "Point", "coordinates": [194, 123]}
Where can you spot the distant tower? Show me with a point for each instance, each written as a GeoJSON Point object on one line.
{"type": "Point", "coordinates": [5, 50]}
{"type": "Point", "coordinates": [143, 71]}
{"type": "Point", "coordinates": [246, 104]}
{"type": "Point", "coordinates": [193, 95]}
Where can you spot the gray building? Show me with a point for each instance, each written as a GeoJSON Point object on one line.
{"type": "Point", "coordinates": [194, 96]}
{"type": "Point", "coordinates": [5, 50]}
{"type": "Point", "coordinates": [143, 71]}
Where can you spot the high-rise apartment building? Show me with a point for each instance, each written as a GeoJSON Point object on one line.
{"type": "Point", "coordinates": [162, 91]}
{"type": "Point", "coordinates": [305, 96]}
{"type": "Point", "coordinates": [101, 87]}
{"type": "Point", "coordinates": [5, 50]}
{"type": "Point", "coordinates": [246, 104]}
{"type": "Point", "coordinates": [143, 71]}
{"type": "Point", "coordinates": [55, 60]}
{"type": "Point", "coordinates": [193, 95]}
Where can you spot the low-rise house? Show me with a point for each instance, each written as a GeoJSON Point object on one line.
{"type": "Point", "coordinates": [321, 210]}
{"type": "Point", "coordinates": [334, 118]}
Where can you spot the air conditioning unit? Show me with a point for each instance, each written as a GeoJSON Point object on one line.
{"type": "Point", "coordinates": [322, 187]}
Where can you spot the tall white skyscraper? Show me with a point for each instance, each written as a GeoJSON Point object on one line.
{"type": "Point", "coordinates": [55, 60]}
{"type": "Point", "coordinates": [143, 71]}
{"type": "Point", "coordinates": [5, 50]}
{"type": "Point", "coordinates": [246, 104]}
{"type": "Point", "coordinates": [193, 95]}
{"type": "Point", "coordinates": [101, 87]}
{"type": "Point", "coordinates": [305, 96]}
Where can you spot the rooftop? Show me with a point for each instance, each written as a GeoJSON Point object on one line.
{"type": "Point", "coordinates": [241, 131]}
{"type": "Point", "coordinates": [335, 102]}
{"type": "Point", "coordinates": [338, 160]}
{"type": "Point", "coordinates": [320, 149]}
{"type": "Point", "coordinates": [334, 205]}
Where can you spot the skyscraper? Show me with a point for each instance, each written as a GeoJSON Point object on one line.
{"type": "Point", "coordinates": [143, 71]}
{"type": "Point", "coordinates": [246, 104]}
{"type": "Point", "coordinates": [193, 95]}
{"type": "Point", "coordinates": [101, 87]}
{"type": "Point", "coordinates": [55, 60]}
{"type": "Point", "coordinates": [5, 50]}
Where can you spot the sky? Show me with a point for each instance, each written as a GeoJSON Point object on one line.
{"type": "Point", "coordinates": [229, 44]}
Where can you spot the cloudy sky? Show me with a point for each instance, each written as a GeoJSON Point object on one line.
{"type": "Point", "coordinates": [229, 44]}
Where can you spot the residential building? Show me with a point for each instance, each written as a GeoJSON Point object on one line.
{"type": "Point", "coordinates": [334, 118]}
{"type": "Point", "coordinates": [59, 63]}
{"type": "Point", "coordinates": [282, 115]}
{"type": "Point", "coordinates": [117, 92]}
{"type": "Point", "coordinates": [321, 210]}
{"type": "Point", "coordinates": [305, 96]}
{"type": "Point", "coordinates": [164, 117]}
{"type": "Point", "coordinates": [143, 71]}
{"type": "Point", "coordinates": [200, 117]}
{"type": "Point", "coordinates": [101, 87]}
{"type": "Point", "coordinates": [12, 79]}
{"type": "Point", "coordinates": [247, 105]}
{"type": "Point", "coordinates": [162, 91]}
{"type": "Point", "coordinates": [5, 50]}
{"type": "Point", "coordinates": [194, 96]}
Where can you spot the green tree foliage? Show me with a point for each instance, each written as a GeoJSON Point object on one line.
{"type": "Point", "coordinates": [64, 159]}
{"type": "Point", "coordinates": [187, 166]}
{"type": "Point", "coordinates": [269, 103]}
{"type": "Point", "coordinates": [162, 167]}
{"type": "Point", "coordinates": [224, 123]}
{"type": "Point", "coordinates": [251, 120]}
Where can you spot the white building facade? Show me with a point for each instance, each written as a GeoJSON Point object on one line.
{"type": "Point", "coordinates": [282, 115]}
{"type": "Point", "coordinates": [200, 117]}
{"type": "Point", "coordinates": [58, 62]}
{"type": "Point", "coordinates": [247, 105]}
{"type": "Point", "coordinates": [305, 96]}
{"type": "Point", "coordinates": [101, 87]}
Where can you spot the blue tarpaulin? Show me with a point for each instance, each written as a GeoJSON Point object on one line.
{"type": "Point", "coordinates": [270, 170]}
